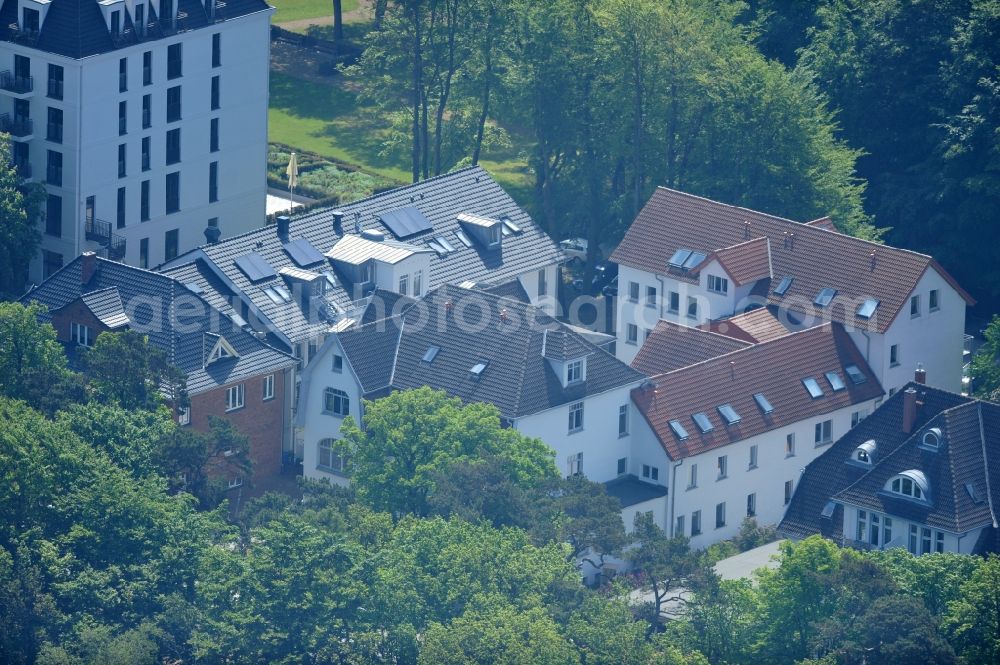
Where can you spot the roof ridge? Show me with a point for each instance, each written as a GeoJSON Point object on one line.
{"type": "Point", "coordinates": [705, 331]}
{"type": "Point", "coordinates": [740, 244]}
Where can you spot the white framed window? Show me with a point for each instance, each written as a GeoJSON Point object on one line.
{"type": "Point", "coordinates": [623, 420]}
{"type": "Point", "coordinates": [858, 416]}
{"type": "Point", "coordinates": [861, 532]}
{"type": "Point", "coordinates": [574, 464]}
{"type": "Point", "coordinates": [693, 476]}
{"type": "Point", "coordinates": [575, 417]}
{"type": "Point", "coordinates": [720, 515]}
{"type": "Point", "coordinates": [906, 487]}
{"type": "Point", "coordinates": [574, 371]}
{"type": "Point", "coordinates": [675, 302]}
{"type": "Point", "coordinates": [631, 334]}
{"type": "Point", "coordinates": [338, 363]}
{"type": "Point", "coordinates": [633, 291]}
{"type": "Point", "coordinates": [404, 285]}
{"type": "Point", "coordinates": [622, 466]}
{"type": "Point", "coordinates": [543, 286]}
{"type": "Point", "coordinates": [692, 307]}
{"type": "Point", "coordinates": [753, 457]}
{"type": "Point", "coordinates": [790, 445]}
{"type": "Point", "coordinates": [650, 472]}
{"type": "Point", "coordinates": [327, 458]}
{"type": "Point", "coordinates": [914, 307]}
{"type": "Point", "coordinates": [718, 284]}
{"type": "Point", "coordinates": [418, 283]}
{"type": "Point", "coordinates": [650, 296]}
{"type": "Point", "coordinates": [824, 432]}
{"type": "Point", "coordinates": [336, 402]}
{"type": "Point", "coordinates": [751, 504]}
{"type": "Point", "coordinates": [933, 304]}
{"type": "Point", "coordinates": [235, 396]}
{"type": "Point", "coordinates": [722, 466]}
{"type": "Point", "coordinates": [268, 387]}
{"type": "Point", "coordinates": [696, 523]}
{"type": "Point", "coordinates": [894, 355]}
{"type": "Point", "coordinates": [183, 415]}
{"type": "Point", "coordinates": [81, 334]}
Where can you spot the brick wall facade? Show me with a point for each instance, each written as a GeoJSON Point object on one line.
{"type": "Point", "coordinates": [75, 312]}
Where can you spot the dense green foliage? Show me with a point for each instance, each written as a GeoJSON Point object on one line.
{"type": "Point", "coordinates": [20, 205]}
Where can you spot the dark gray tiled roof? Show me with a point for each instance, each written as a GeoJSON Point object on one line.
{"type": "Point", "coordinates": [175, 319]}
{"type": "Point", "coordinates": [106, 305]}
{"type": "Point", "coordinates": [76, 28]}
{"type": "Point", "coordinates": [963, 458]}
{"type": "Point", "coordinates": [440, 199]}
{"type": "Point", "coordinates": [467, 328]}
{"type": "Point", "coordinates": [630, 490]}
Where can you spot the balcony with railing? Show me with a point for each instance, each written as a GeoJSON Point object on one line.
{"type": "Point", "coordinates": [18, 127]}
{"type": "Point", "coordinates": [19, 35]}
{"type": "Point", "coordinates": [19, 85]}
{"type": "Point", "coordinates": [99, 231]}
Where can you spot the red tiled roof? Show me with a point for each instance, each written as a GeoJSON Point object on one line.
{"type": "Point", "coordinates": [775, 369]}
{"type": "Point", "coordinates": [746, 262]}
{"type": "Point", "coordinates": [757, 325]}
{"type": "Point", "coordinates": [815, 257]}
{"type": "Point", "coordinates": [671, 346]}
{"type": "Point", "coordinates": [823, 223]}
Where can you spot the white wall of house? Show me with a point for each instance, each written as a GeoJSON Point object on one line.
{"type": "Point", "coordinates": [388, 276]}
{"type": "Point", "coordinates": [547, 301]}
{"type": "Point", "coordinates": [924, 540]}
{"type": "Point", "coordinates": [767, 480]}
{"type": "Point", "coordinates": [91, 138]}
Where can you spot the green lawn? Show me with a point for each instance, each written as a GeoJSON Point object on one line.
{"type": "Point", "coordinates": [294, 10]}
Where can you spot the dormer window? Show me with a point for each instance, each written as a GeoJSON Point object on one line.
{"type": "Point", "coordinates": [911, 484]}
{"type": "Point", "coordinates": [495, 235]}
{"type": "Point", "coordinates": [30, 20]}
{"type": "Point", "coordinates": [116, 23]}
{"type": "Point", "coordinates": [865, 453]}
{"type": "Point", "coordinates": [574, 371]}
{"type": "Point", "coordinates": [222, 350]}
{"type": "Point", "coordinates": [932, 439]}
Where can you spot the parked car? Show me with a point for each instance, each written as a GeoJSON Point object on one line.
{"type": "Point", "coordinates": [574, 248]}
{"type": "Point", "coordinates": [611, 290]}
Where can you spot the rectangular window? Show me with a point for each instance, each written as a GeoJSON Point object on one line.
{"type": "Point", "coordinates": [418, 282]}
{"type": "Point", "coordinates": [122, 118]}
{"type": "Point", "coordinates": [213, 140]}
{"type": "Point", "coordinates": [183, 415]}
{"type": "Point", "coordinates": [140, 19]}
{"type": "Point", "coordinates": [55, 88]}
{"type": "Point", "coordinates": [623, 420]}
{"type": "Point", "coordinates": [914, 307]}
{"type": "Point", "coordinates": [753, 457]}
{"type": "Point", "coordinates": [213, 186]}
{"type": "Point", "coordinates": [692, 308]}
{"type": "Point", "coordinates": [574, 464]}
{"type": "Point", "coordinates": [173, 187]}
{"type": "Point", "coordinates": [574, 371]}
{"type": "Point", "coordinates": [145, 153]}
{"type": "Point", "coordinates": [235, 397]}
{"type": "Point", "coordinates": [215, 93]}
{"type": "Point", "coordinates": [938, 541]}
{"type": "Point", "coordinates": [886, 530]}
{"type": "Point", "coordinates": [173, 146]}
{"type": "Point", "coordinates": [147, 68]}
{"type": "Point", "coordinates": [858, 416]}
{"type": "Point", "coordinates": [912, 542]}
{"type": "Point", "coordinates": [338, 363]}
{"type": "Point", "coordinates": [121, 208]}
{"type": "Point", "coordinates": [147, 111]}
{"type": "Point", "coordinates": [693, 476]}
{"type": "Point", "coordinates": [576, 417]}
{"type": "Point", "coordinates": [329, 460]}
{"type": "Point", "coordinates": [144, 253]}
{"type": "Point", "coordinates": [123, 75]}
{"type": "Point", "coordinates": [81, 334]}
{"type": "Point", "coordinates": [174, 103]}
{"type": "Point", "coordinates": [121, 160]}
{"type": "Point", "coordinates": [751, 504]}
{"type": "Point", "coordinates": [51, 263]}
{"type": "Point", "coordinates": [718, 284]}
{"type": "Point", "coordinates": [404, 284]}
{"type": "Point", "coordinates": [875, 530]}
{"type": "Point", "coordinates": [824, 432]}
{"type": "Point", "coordinates": [174, 61]}
{"type": "Point", "coordinates": [932, 300]}
{"type": "Point", "coordinates": [721, 466]}
{"type": "Point", "coordinates": [894, 355]}
{"type": "Point", "coordinates": [696, 523]}
{"type": "Point", "coordinates": [217, 50]}
{"type": "Point", "coordinates": [789, 488]}
{"type": "Point", "coordinates": [116, 23]}
{"type": "Point", "coordinates": [790, 445]}
{"type": "Point", "coordinates": [720, 515]}
{"type": "Point", "coordinates": [55, 126]}
{"type": "Point", "coordinates": [675, 302]}
{"type": "Point", "coordinates": [633, 291]}
{"type": "Point", "coordinates": [53, 216]}
{"type": "Point", "coordinates": [631, 334]}
{"type": "Point", "coordinates": [54, 168]}
{"type": "Point", "coordinates": [925, 538]}
{"type": "Point", "coordinates": [543, 285]}
{"type": "Point", "coordinates": [862, 529]}
{"type": "Point", "coordinates": [268, 387]}
{"type": "Point", "coordinates": [170, 244]}
{"type": "Point", "coordinates": [144, 201]}
{"type": "Point", "coordinates": [622, 465]}
{"type": "Point", "coordinates": [650, 296]}
{"type": "Point", "coordinates": [679, 528]}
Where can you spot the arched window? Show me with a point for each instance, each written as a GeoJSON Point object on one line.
{"type": "Point", "coordinates": [932, 438]}
{"type": "Point", "coordinates": [336, 402]}
{"type": "Point", "coordinates": [911, 483]}
{"type": "Point", "coordinates": [328, 459]}
{"type": "Point", "coordinates": [865, 453]}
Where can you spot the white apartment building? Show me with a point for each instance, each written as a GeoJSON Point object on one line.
{"type": "Point", "coordinates": [145, 119]}
{"type": "Point", "coordinates": [695, 262]}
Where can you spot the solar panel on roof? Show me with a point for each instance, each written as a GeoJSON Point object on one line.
{"type": "Point", "coordinates": [302, 252]}
{"type": "Point", "coordinates": [813, 387]}
{"type": "Point", "coordinates": [763, 403]}
{"type": "Point", "coordinates": [729, 413]}
{"type": "Point", "coordinates": [855, 374]}
{"type": "Point", "coordinates": [824, 297]}
{"type": "Point", "coordinates": [836, 382]}
{"type": "Point", "coordinates": [703, 423]}
{"type": "Point", "coordinates": [783, 286]}
{"type": "Point", "coordinates": [694, 259]}
{"type": "Point", "coordinates": [867, 308]}
{"type": "Point", "coordinates": [679, 257]}
{"type": "Point", "coordinates": [678, 429]}
{"type": "Point", "coordinates": [254, 267]}
{"type": "Point", "coordinates": [405, 222]}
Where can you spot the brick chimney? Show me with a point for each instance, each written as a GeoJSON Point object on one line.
{"type": "Point", "coordinates": [88, 266]}
{"type": "Point", "coordinates": [909, 410]}
{"type": "Point", "coordinates": [920, 375]}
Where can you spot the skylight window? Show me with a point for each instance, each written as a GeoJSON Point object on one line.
{"type": "Point", "coordinates": [462, 238]}
{"type": "Point", "coordinates": [448, 247]}
{"type": "Point", "coordinates": [828, 509]}
{"type": "Point", "coordinates": [703, 423]}
{"type": "Point", "coordinates": [273, 296]}
{"type": "Point", "coordinates": [825, 297]}
{"type": "Point", "coordinates": [431, 353]}
{"type": "Point", "coordinates": [331, 279]}
{"type": "Point", "coordinates": [283, 292]}
{"type": "Point", "coordinates": [783, 286]}
{"type": "Point", "coordinates": [679, 257]}
{"type": "Point", "coordinates": [433, 244]}
{"type": "Point", "coordinates": [478, 369]}
{"type": "Point", "coordinates": [729, 414]}
{"type": "Point", "coordinates": [836, 382]}
{"type": "Point", "coordinates": [867, 308]}
{"type": "Point", "coordinates": [762, 402]}
{"type": "Point", "coordinates": [694, 259]}
{"type": "Point", "coordinates": [510, 225]}
{"type": "Point", "coordinates": [813, 387]}
{"type": "Point", "coordinates": [855, 374]}
{"type": "Point", "coordinates": [678, 430]}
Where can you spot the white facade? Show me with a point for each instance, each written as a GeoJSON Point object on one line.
{"type": "Point", "coordinates": [781, 457]}
{"type": "Point", "coordinates": [867, 529]}
{"type": "Point", "coordinates": [90, 99]}
{"type": "Point", "coordinates": [542, 287]}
